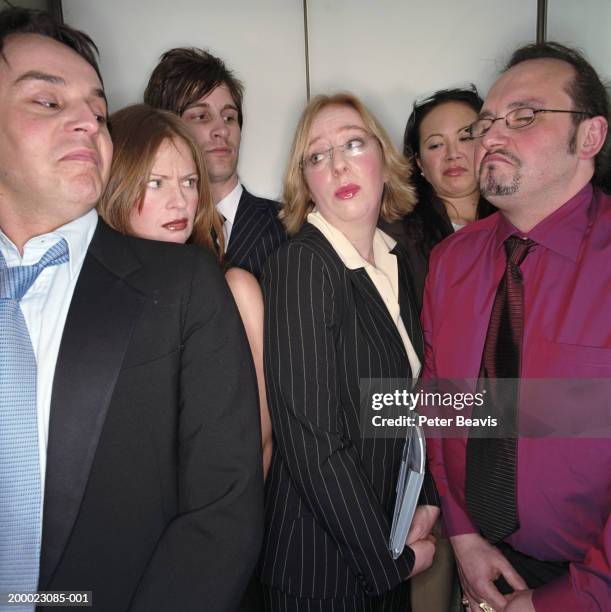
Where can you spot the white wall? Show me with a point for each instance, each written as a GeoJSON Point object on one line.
{"type": "Point", "coordinates": [586, 25]}
{"type": "Point", "coordinates": [261, 40]}
{"type": "Point", "coordinates": [386, 51]}
{"type": "Point", "coordinates": [390, 52]}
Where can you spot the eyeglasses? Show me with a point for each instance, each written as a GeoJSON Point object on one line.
{"type": "Point", "coordinates": [355, 146]}
{"type": "Point", "coordinates": [515, 119]}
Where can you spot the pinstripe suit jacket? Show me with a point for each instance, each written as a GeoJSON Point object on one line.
{"type": "Point", "coordinates": [330, 492]}
{"type": "Point", "coordinates": [256, 234]}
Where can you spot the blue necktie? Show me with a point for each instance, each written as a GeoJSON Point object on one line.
{"type": "Point", "coordinates": [20, 484]}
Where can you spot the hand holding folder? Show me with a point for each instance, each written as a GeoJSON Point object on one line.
{"type": "Point", "coordinates": [409, 484]}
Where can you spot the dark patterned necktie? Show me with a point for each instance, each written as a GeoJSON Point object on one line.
{"type": "Point", "coordinates": [490, 487]}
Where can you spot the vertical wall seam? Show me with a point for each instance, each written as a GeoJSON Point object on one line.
{"type": "Point", "coordinates": [306, 49]}
{"type": "Point", "coordinates": [541, 21]}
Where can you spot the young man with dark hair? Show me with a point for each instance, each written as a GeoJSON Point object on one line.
{"type": "Point", "coordinates": [130, 460]}
{"type": "Point", "coordinates": [529, 517]}
{"type": "Point", "coordinates": [198, 86]}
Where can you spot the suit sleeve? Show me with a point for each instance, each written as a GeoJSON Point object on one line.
{"type": "Point", "coordinates": [302, 298]}
{"type": "Point", "coordinates": [208, 552]}
{"type": "Point", "coordinates": [439, 450]}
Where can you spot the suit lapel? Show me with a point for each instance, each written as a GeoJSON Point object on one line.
{"type": "Point", "coordinates": [376, 306]}
{"type": "Point", "coordinates": [239, 223]}
{"type": "Point", "coordinates": [247, 227]}
{"type": "Point", "coordinates": [101, 318]}
{"type": "Point", "coordinates": [365, 287]}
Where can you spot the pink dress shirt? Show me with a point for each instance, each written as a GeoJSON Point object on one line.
{"type": "Point", "coordinates": [563, 484]}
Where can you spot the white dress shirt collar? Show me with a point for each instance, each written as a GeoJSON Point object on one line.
{"type": "Point", "coordinates": [77, 233]}
{"type": "Point", "coordinates": [228, 207]}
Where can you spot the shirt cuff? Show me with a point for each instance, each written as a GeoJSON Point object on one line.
{"type": "Point", "coordinates": [455, 518]}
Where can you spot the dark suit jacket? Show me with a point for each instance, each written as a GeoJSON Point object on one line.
{"type": "Point", "coordinates": [330, 491]}
{"type": "Point", "coordinates": [256, 233]}
{"type": "Point", "coordinates": [153, 495]}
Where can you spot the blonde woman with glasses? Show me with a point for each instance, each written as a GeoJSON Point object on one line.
{"type": "Point", "coordinates": [338, 309]}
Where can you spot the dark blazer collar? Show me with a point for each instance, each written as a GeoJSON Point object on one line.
{"type": "Point", "coordinates": [251, 211]}
{"type": "Point", "coordinates": [252, 200]}
{"type": "Point", "coordinates": [102, 315]}
{"type": "Point", "coordinates": [243, 217]}
{"type": "Point", "coordinates": [112, 250]}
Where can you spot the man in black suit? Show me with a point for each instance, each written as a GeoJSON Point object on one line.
{"type": "Point", "coordinates": [197, 86]}
{"type": "Point", "coordinates": [147, 487]}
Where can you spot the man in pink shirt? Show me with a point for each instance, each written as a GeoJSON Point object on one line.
{"type": "Point", "coordinates": [541, 138]}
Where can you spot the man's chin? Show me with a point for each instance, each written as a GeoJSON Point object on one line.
{"type": "Point", "coordinates": [82, 191]}
{"type": "Point", "coordinates": [491, 186]}
{"type": "Point", "coordinates": [221, 175]}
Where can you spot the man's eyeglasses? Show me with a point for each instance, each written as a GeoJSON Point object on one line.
{"type": "Point", "coordinates": [353, 147]}
{"type": "Point", "coordinates": [515, 119]}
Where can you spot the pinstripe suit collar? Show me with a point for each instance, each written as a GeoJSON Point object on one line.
{"type": "Point", "coordinates": [365, 286]}
{"type": "Point", "coordinates": [251, 219]}
{"type": "Point", "coordinates": [228, 206]}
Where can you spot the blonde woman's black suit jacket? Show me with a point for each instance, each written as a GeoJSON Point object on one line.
{"type": "Point", "coordinates": [330, 492]}
{"type": "Point", "coordinates": [153, 494]}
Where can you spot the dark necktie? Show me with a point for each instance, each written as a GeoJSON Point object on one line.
{"type": "Point", "coordinates": [490, 487]}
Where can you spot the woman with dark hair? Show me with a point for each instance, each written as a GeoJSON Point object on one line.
{"type": "Point", "coordinates": [158, 189]}
{"type": "Point", "coordinates": [437, 138]}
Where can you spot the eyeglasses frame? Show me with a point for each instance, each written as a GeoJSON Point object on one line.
{"type": "Point", "coordinates": [304, 165]}
{"type": "Point", "coordinates": [535, 111]}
